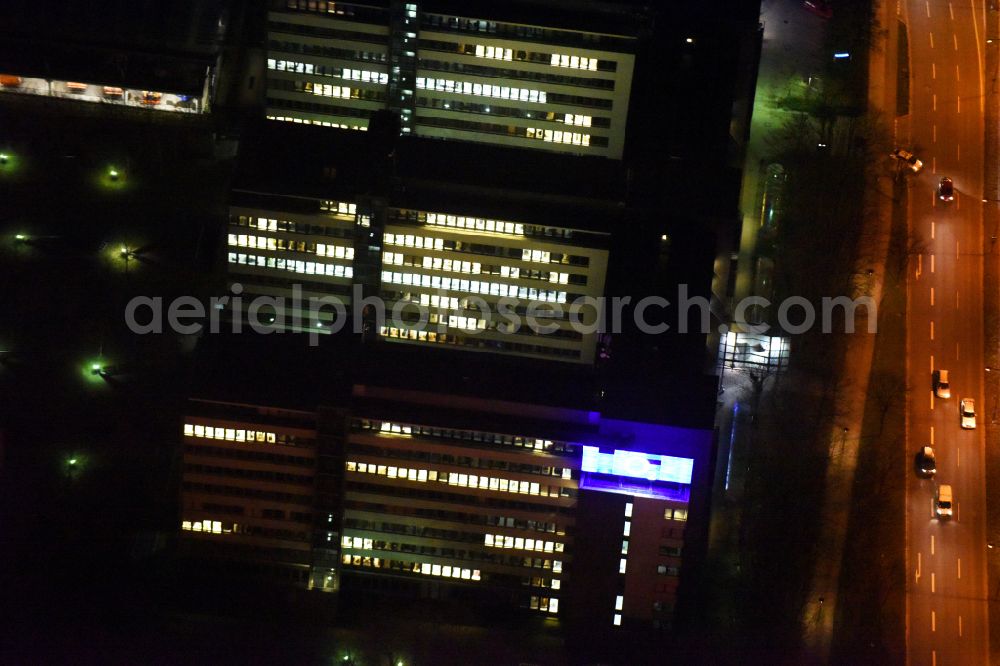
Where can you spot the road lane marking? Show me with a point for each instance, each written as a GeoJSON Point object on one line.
{"type": "Point", "coordinates": [954, 38]}
{"type": "Point", "coordinates": [956, 351]}
{"type": "Point", "coordinates": [932, 296]}
{"type": "Point", "coordinates": [932, 550]}
{"type": "Point", "coordinates": [958, 152]}
{"type": "Point", "coordinates": [956, 307]}
{"type": "Point", "coordinates": [932, 330]}
{"type": "Point", "coordinates": [932, 582]}
{"type": "Point", "coordinates": [957, 252]}
{"type": "Point", "coordinates": [934, 100]}
{"type": "Point", "coordinates": [932, 263]}
{"type": "Point", "coordinates": [932, 363]}
{"type": "Point", "coordinates": [951, 11]}
{"type": "Point", "coordinates": [927, 4]}
{"type": "Point", "coordinates": [958, 102]}
{"type": "Point", "coordinates": [932, 435]}
{"type": "Point", "coordinates": [959, 626]}
{"type": "Point", "coordinates": [957, 75]}
{"type": "Point", "coordinates": [933, 230]}
{"type": "Point", "coordinates": [920, 264]}
{"type": "Point", "coordinates": [932, 400]}
{"type": "Point", "coordinates": [933, 621]}
{"type": "Point", "coordinates": [933, 66]}
{"type": "Point", "coordinates": [958, 512]}
{"type": "Point", "coordinates": [979, 57]}
{"type": "Point", "coordinates": [934, 133]}
{"type": "Point", "coordinates": [934, 171]}
{"type": "Point", "coordinates": [933, 657]}
{"type": "Point", "coordinates": [960, 568]}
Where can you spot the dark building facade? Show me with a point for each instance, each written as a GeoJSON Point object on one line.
{"type": "Point", "coordinates": [555, 511]}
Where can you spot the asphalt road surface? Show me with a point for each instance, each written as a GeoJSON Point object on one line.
{"type": "Point", "coordinates": [946, 576]}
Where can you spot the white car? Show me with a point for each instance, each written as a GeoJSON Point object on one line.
{"type": "Point", "coordinates": [968, 411]}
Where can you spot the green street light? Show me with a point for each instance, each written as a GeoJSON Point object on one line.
{"type": "Point", "coordinates": [113, 173]}
{"type": "Point", "coordinates": [3, 158]}
{"type": "Point", "coordinates": [71, 462]}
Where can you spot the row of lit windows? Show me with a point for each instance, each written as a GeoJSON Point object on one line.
{"type": "Point", "coordinates": [440, 244]}
{"type": "Point", "coordinates": [675, 514]}
{"type": "Point", "coordinates": [236, 434]}
{"type": "Point", "coordinates": [573, 62]}
{"type": "Point", "coordinates": [494, 52]}
{"type": "Point", "coordinates": [293, 265]}
{"type": "Point", "coordinates": [578, 120]}
{"type": "Point", "coordinates": [473, 286]}
{"type": "Point", "coordinates": [415, 335]}
{"type": "Point", "coordinates": [520, 543]}
{"type": "Point", "coordinates": [340, 207]}
{"type": "Point", "coordinates": [475, 268]}
{"type": "Point", "coordinates": [275, 244]}
{"type": "Point", "coordinates": [210, 526]}
{"type": "Point", "coordinates": [431, 551]}
{"type": "Point", "coordinates": [475, 223]}
{"type": "Point", "coordinates": [557, 136]}
{"type": "Point", "coordinates": [415, 453]}
{"type": "Point", "coordinates": [481, 90]}
{"type": "Point", "coordinates": [365, 76]}
{"type": "Point", "coordinates": [435, 301]}
{"type": "Point", "coordinates": [215, 527]}
{"type": "Point", "coordinates": [544, 604]}
{"type": "Point", "coordinates": [480, 343]}
{"type": "Point", "coordinates": [264, 224]}
{"type": "Point", "coordinates": [465, 435]}
{"type": "Point", "coordinates": [363, 543]}
{"type": "Point", "coordinates": [327, 90]}
{"type": "Point", "coordinates": [308, 121]}
{"type": "Point", "coordinates": [411, 216]}
{"type": "Point", "coordinates": [423, 568]}
{"type": "Point", "coordinates": [455, 479]}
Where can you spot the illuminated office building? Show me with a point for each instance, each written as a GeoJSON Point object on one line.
{"type": "Point", "coordinates": [254, 499]}
{"type": "Point", "coordinates": [534, 506]}
{"type": "Point", "coordinates": [441, 256]}
{"type": "Point", "coordinates": [560, 512]}
{"type": "Point", "coordinates": [452, 72]}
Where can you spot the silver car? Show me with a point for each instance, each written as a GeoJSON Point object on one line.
{"type": "Point", "coordinates": [967, 408]}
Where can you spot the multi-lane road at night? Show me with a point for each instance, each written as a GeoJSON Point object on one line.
{"type": "Point", "coordinates": [946, 559]}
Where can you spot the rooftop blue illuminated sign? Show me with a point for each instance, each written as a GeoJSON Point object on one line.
{"type": "Point", "coordinates": [637, 465]}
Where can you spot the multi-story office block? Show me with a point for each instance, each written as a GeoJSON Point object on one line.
{"type": "Point", "coordinates": [490, 265]}
{"type": "Point", "coordinates": [450, 71]}
{"type": "Point", "coordinates": [557, 511]}
{"type": "Point", "coordinates": [252, 494]}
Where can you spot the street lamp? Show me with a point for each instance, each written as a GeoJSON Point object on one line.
{"type": "Point", "coordinates": [3, 158]}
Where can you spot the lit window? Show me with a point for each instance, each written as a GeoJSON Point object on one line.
{"type": "Point", "coordinates": [628, 509]}
{"type": "Point", "coordinates": [621, 565]}
{"type": "Point", "coordinates": [618, 620]}
{"type": "Point", "coordinates": [619, 600]}
{"type": "Point", "coordinates": [628, 528]}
